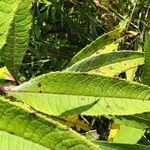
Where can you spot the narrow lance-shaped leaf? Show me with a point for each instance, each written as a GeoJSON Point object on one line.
{"type": "Point", "coordinates": [7, 11]}
{"type": "Point", "coordinates": [17, 39]}
{"type": "Point", "coordinates": [22, 129]}
{"type": "Point", "coordinates": [67, 93]}
{"type": "Point", "coordinates": [101, 60]}
{"type": "Point", "coordinates": [99, 43]}
{"type": "Point", "coordinates": [146, 73]}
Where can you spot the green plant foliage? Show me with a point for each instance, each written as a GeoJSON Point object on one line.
{"type": "Point", "coordinates": [128, 135]}
{"type": "Point", "coordinates": [37, 132]}
{"type": "Point", "coordinates": [14, 142]}
{"type": "Point", "coordinates": [99, 43]}
{"type": "Point", "coordinates": [40, 113]}
{"type": "Point", "coordinates": [101, 60]}
{"type": "Point", "coordinates": [65, 93]}
{"type": "Point", "coordinates": [146, 72]}
{"type": "Point", "coordinates": [112, 146]}
{"type": "Point", "coordinates": [140, 121]}
{"type": "Point", "coordinates": [113, 70]}
{"type": "Point", "coordinates": [7, 11]}
{"type": "Point", "coordinates": [17, 38]}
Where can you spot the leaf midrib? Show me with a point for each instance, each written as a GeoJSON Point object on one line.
{"type": "Point", "coordinates": [65, 94]}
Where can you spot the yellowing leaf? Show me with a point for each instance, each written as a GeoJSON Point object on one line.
{"type": "Point", "coordinates": [113, 131]}
{"type": "Point", "coordinates": [115, 69]}
{"type": "Point", "coordinates": [4, 74]}
{"type": "Point", "coordinates": [108, 48]}
{"type": "Point", "coordinates": [73, 121]}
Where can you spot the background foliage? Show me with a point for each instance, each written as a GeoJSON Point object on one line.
{"type": "Point", "coordinates": [61, 28]}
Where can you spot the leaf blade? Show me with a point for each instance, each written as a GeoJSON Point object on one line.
{"type": "Point", "coordinates": [102, 60]}
{"type": "Point", "coordinates": [99, 43]}
{"type": "Point", "coordinates": [83, 94]}
{"type": "Point", "coordinates": [7, 11]}
{"type": "Point", "coordinates": [17, 39]}
{"type": "Point", "coordinates": [22, 122]}
{"type": "Point", "coordinates": [146, 72]}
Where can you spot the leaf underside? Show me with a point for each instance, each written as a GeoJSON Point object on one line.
{"type": "Point", "coordinates": [67, 93]}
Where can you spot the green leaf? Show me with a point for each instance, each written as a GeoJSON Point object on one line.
{"type": "Point", "coordinates": [100, 60]}
{"type": "Point", "coordinates": [140, 121]}
{"type": "Point", "coordinates": [67, 93]}
{"type": "Point", "coordinates": [99, 43]}
{"type": "Point", "coordinates": [12, 142]}
{"type": "Point", "coordinates": [25, 128]}
{"type": "Point", "coordinates": [17, 39]}
{"type": "Point", "coordinates": [146, 72]}
{"type": "Point", "coordinates": [128, 135]}
{"type": "Point", "coordinates": [114, 146]}
{"type": "Point", "coordinates": [7, 11]}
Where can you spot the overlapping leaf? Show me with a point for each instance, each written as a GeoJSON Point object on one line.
{"type": "Point", "coordinates": [111, 63]}
{"type": "Point", "coordinates": [23, 129]}
{"type": "Point", "coordinates": [17, 38]}
{"type": "Point", "coordinates": [73, 121]}
{"type": "Point", "coordinates": [99, 43]}
{"type": "Point", "coordinates": [66, 93]}
{"type": "Point", "coordinates": [140, 121]}
{"type": "Point", "coordinates": [129, 135]}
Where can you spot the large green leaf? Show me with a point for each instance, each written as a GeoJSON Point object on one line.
{"type": "Point", "coordinates": [99, 43]}
{"type": "Point", "coordinates": [17, 39]}
{"type": "Point", "coordinates": [146, 73]}
{"type": "Point", "coordinates": [63, 93]}
{"type": "Point", "coordinates": [7, 11]}
{"type": "Point", "coordinates": [100, 60]}
{"type": "Point", "coordinates": [23, 129]}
